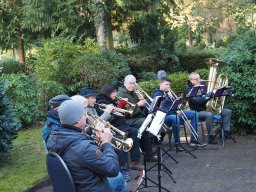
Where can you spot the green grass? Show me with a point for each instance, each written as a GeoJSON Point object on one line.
{"type": "Point", "coordinates": [25, 165]}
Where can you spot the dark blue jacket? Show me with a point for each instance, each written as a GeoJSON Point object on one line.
{"type": "Point", "coordinates": [52, 123]}
{"type": "Point", "coordinates": [198, 103]}
{"type": "Point", "coordinates": [89, 165]}
{"type": "Point", "coordinates": [166, 101]}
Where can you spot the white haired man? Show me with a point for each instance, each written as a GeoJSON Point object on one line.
{"type": "Point", "coordinates": [198, 104]}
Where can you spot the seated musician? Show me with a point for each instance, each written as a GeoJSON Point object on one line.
{"type": "Point", "coordinates": [171, 119]}
{"type": "Point", "coordinates": [52, 117]}
{"type": "Point", "coordinates": [199, 104]}
{"type": "Point", "coordinates": [137, 118]}
{"type": "Point", "coordinates": [88, 163]}
{"type": "Point", "coordinates": [108, 96]}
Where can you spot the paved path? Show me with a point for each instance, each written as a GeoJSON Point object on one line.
{"type": "Point", "coordinates": [216, 169]}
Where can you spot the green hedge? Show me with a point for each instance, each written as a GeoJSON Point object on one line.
{"type": "Point", "coordinates": [29, 96]}
{"type": "Point", "coordinates": [74, 66]}
{"type": "Point", "coordinates": [241, 70]}
{"type": "Point", "coordinates": [193, 58]}
{"type": "Point", "coordinates": [10, 65]}
{"type": "Point", "coordinates": [178, 84]}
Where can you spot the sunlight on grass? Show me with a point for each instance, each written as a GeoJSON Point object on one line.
{"type": "Point", "coordinates": [25, 166]}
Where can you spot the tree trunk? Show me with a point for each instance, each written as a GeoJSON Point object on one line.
{"type": "Point", "coordinates": [110, 44]}
{"type": "Point", "coordinates": [100, 26]}
{"type": "Point", "coordinates": [190, 39]}
{"type": "Point", "coordinates": [21, 50]}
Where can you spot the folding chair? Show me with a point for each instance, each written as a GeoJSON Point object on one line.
{"type": "Point", "coordinates": [59, 174]}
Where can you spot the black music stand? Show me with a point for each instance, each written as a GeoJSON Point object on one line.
{"type": "Point", "coordinates": [161, 167]}
{"type": "Point", "coordinates": [174, 108]}
{"type": "Point", "coordinates": [220, 92]}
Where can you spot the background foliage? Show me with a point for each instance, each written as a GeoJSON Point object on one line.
{"type": "Point", "coordinates": [241, 70]}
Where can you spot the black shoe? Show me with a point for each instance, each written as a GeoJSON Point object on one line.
{"type": "Point", "coordinates": [212, 140]}
{"type": "Point", "coordinates": [178, 148]}
{"type": "Point", "coordinates": [196, 143]}
{"type": "Point", "coordinates": [228, 135]}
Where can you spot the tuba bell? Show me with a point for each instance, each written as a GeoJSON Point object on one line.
{"type": "Point", "coordinates": [215, 105]}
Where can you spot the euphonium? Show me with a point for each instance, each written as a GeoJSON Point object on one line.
{"type": "Point", "coordinates": [125, 144]}
{"type": "Point", "coordinates": [129, 106]}
{"type": "Point", "coordinates": [215, 105]}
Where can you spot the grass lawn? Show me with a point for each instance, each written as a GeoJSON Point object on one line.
{"type": "Point", "coordinates": [25, 165]}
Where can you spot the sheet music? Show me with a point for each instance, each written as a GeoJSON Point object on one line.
{"type": "Point", "coordinates": [157, 123]}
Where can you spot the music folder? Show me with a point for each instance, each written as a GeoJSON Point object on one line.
{"type": "Point", "coordinates": [223, 91]}
{"type": "Point", "coordinates": [196, 90]}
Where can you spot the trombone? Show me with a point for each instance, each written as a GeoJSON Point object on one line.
{"type": "Point", "coordinates": [118, 111]}
{"type": "Point", "coordinates": [172, 96]}
{"type": "Point", "coordinates": [140, 91]}
{"type": "Point", "coordinates": [125, 144]}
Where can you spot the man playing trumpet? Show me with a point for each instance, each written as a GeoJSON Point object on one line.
{"type": "Point", "coordinates": [88, 163]}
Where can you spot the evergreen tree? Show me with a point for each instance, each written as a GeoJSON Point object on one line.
{"type": "Point", "coordinates": [9, 125]}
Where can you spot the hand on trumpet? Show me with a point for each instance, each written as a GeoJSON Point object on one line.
{"type": "Point", "coordinates": [110, 109]}
{"type": "Point", "coordinates": [104, 134]}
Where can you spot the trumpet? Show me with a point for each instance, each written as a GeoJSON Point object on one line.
{"type": "Point", "coordinates": [118, 111]}
{"type": "Point", "coordinates": [117, 143]}
{"type": "Point", "coordinates": [94, 119]}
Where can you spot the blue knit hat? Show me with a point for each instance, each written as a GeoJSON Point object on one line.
{"type": "Point", "coordinates": [70, 112]}
{"type": "Point", "coordinates": [57, 100]}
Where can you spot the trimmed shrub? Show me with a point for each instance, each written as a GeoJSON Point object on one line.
{"type": "Point", "coordinates": [193, 58]}
{"type": "Point", "coordinates": [178, 84]}
{"type": "Point", "coordinates": [241, 71]}
{"type": "Point", "coordinates": [21, 90]}
{"type": "Point", "coordinates": [203, 73]}
{"type": "Point", "coordinates": [9, 125]}
{"type": "Point", "coordinates": [30, 97]}
{"type": "Point", "coordinates": [74, 66]}
{"type": "Point", "coordinates": [10, 65]}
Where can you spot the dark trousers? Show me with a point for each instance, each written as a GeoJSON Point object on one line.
{"type": "Point", "coordinates": [135, 150]}
{"type": "Point", "coordinates": [145, 141]}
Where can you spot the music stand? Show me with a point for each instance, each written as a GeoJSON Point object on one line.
{"type": "Point", "coordinates": [223, 91]}
{"type": "Point", "coordinates": [154, 127]}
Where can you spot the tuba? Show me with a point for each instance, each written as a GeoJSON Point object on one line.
{"type": "Point", "coordinates": [215, 105]}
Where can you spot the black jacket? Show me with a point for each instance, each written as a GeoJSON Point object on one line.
{"type": "Point", "coordinates": [89, 165]}
{"type": "Point", "coordinates": [115, 120]}
{"type": "Point", "coordinates": [198, 103]}
{"type": "Point", "coordinates": [166, 102]}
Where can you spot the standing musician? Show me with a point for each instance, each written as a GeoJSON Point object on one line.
{"type": "Point", "coordinates": [198, 103]}
{"type": "Point", "coordinates": [137, 118]}
{"type": "Point", "coordinates": [108, 96]}
{"type": "Point", "coordinates": [88, 163]}
{"type": "Point", "coordinates": [171, 118]}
